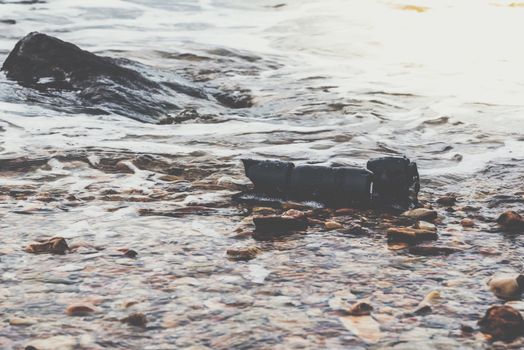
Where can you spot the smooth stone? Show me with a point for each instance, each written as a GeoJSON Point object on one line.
{"type": "Point", "coordinates": [511, 221]}
{"type": "Point", "coordinates": [502, 323]}
{"type": "Point", "coordinates": [421, 214]}
{"type": "Point", "coordinates": [80, 309]}
{"type": "Point", "coordinates": [410, 235]}
{"type": "Point", "coordinates": [507, 287]}
{"type": "Point", "coordinates": [243, 254]}
{"type": "Point", "coordinates": [333, 225]}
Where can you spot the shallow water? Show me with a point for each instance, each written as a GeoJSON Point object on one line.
{"type": "Point", "coordinates": [332, 82]}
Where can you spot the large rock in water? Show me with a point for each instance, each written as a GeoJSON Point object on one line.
{"type": "Point", "coordinates": [101, 84]}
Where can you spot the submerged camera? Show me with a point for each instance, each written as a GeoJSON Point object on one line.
{"type": "Point", "coordinates": [388, 182]}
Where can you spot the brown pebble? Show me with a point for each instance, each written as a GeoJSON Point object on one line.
{"type": "Point", "coordinates": [467, 222]}
{"type": "Point", "coordinates": [511, 221]}
{"type": "Point", "coordinates": [344, 211]}
{"type": "Point", "coordinates": [502, 323]}
{"type": "Point", "coordinates": [333, 225]}
{"type": "Point", "coordinates": [421, 214]}
{"type": "Point", "coordinates": [243, 254]}
{"type": "Point", "coordinates": [410, 235]}
{"type": "Point", "coordinates": [294, 213]}
{"type": "Point", "coordinates": [136, 319]}
{"type": "Point", "coordinates": [55, 245]}
{"type": "Point", "coordinates": [80, 309]}
{"type": "Point", "coordinates": [360, 309]}
{"type": "Point", "coordinates": [447, 200]}
{"type": "Point", "coordinates": [130, 253]}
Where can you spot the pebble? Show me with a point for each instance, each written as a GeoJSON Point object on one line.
{"type": "Point", "coordinates": [55, 245]}
{"type": "Point", "coordinates": [130, 253]}
{"type": "Point", "coordinates": [511, 221]}
{"type": "Point", "coordinates": [80, 309]}
{"type": "Point", "coordinates": [447, 200]}
{"type": "Point", "coordinates": [243, 254]}
{"type": "Point", "coordinates": [263, 211]}
{"type": "Point", "coordinates": [277, 223]}
{"type": "Point", "coordinates": [421, 214]}
{"type": "Point", "coordinates": [333, 225]}
{"type": "Point", "coordinates": [424, 225]}
{"type": "Point", "coordinates": [410, 235]}
{"type": "Point", "coordinates": [502, 323]}
{"type": "Point", "coordinates": [360, 309]}
{"type": "Point", "coordinates": [507, 287]}
{"type": "Point", "coordinates": [135, 319]}
{"type": "Point", "coordinates": [467, 222]}
{"type": "Point", "coordinates": [432, 250]}
{"type": "Point", "coordinates": [19, 321]}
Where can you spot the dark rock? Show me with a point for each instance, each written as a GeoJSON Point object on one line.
{"type": "Point", "coordinates": [43, 62]}
{"type": "Point", "coordinates": [432, 250]}
{"type": "Point", "coordinates": [136, 319]}
{"type": "Point", "coordinates": [511, 221]}
{"type": "Point", "coordinates": [130, 253]}
{"type": "Point", "coordinates": [8, 21]}
{"type": "Point", "coordinates": [502, 323]}
{"type": "Point", "coordinates": [360, 309]}
{"type": "Point", "coordinates": [279, 223]}
{"type": "Point", "coordinates": [447, 200]}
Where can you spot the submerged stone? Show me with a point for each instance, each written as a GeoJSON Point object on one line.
{"type": "Point", "coordinates": [55, 245]}
{"type": "Point", "coordinates": [502, 323]}
{"type": "Point", "coordinates": [101, 84]}
{"type": "Point", "coordinates": [135, 319]}
{"type": "Point", "coordinates": [421, 214]}
{"type": "Point", "coordinates": [279, 223]}
{"type": "Point", "coordinates": [511, 221]}
{"type": "Point", "coordinates": [410, 235]}
{"type": "Point", "coordinates": [243, 254]}
{"type": "Point", "coordinates": [507, 287]}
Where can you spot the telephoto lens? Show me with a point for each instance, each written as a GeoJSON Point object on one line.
{"type": "Point", "coordinates": [388, 182]}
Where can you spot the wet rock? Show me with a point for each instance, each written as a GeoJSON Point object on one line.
{"type": "Point", "coordinates": [8, 21]}
{"type": "Point", "coordinates": [432, 250]}
{"type": "Point", "coordinates": [507, 287]}
{"type": "Point", "coordinates": [360, 309]}
{"type": "Point", "coordinates": [130, 253]}
{"type": "Point", "coordinates": [467, 222]}
{"type": "Point", "coordinates": [423, 225]}
{"type": "Point", "coordinates": [22, 321]}
{"type": "Point", "coordinates": [263, 211]}
{"type": "Point", "coordinates": [447, 201]}
{"type": "Point", "coordinates": [279, 223]}
{"type": "Point", "coordinates": [243, 254]}
{"type": "Point", "coordinates": [235, 99]}
{"type": "Point", "coordinates": [511, 221]}
{"type": "Point", "coordinates": [55, 245]}
{"type": "Point", "coordinates": [294, 213]}
{"type": "Point", "coordinates": [502, 323]}
{"type": "Point", "coordinates": [80, 309]}
{"type": "Point", "coordinates": [421, 214]}
{"type": "Point", "coordinates": [101, 84]}
{"type": "Point", "coordinates": [135, 319]}
{"type": "Point", "coordinates": [333, 225]}
{"type": "Point", "coordinates": [410, 235]}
